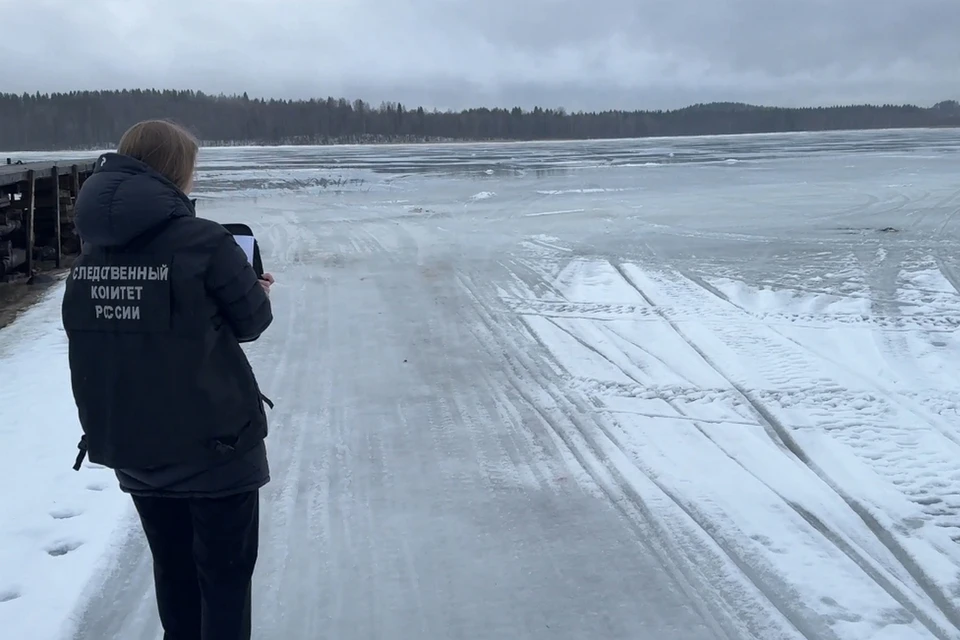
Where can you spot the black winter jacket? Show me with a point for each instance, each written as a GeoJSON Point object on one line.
{"type": "Point", "coordinates": [155, 310]}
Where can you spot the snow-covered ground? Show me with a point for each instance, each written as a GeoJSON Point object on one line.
{"type": "Point", "coordinates": [56, 524]}
{"type": "Point", "coordinates": [688, 389]}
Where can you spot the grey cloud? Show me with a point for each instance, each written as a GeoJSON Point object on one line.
{"type": "Point", "coordinates": [582, 54]}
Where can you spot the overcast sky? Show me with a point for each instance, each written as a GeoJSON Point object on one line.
{"type": "Point", "coordinates": [581, 54]}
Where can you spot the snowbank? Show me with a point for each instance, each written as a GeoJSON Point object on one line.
{"type": "Point", "coordinates": [56, 524]}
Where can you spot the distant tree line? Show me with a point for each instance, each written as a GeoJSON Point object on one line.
{"type": "Point", "coordinates": [86, 119]}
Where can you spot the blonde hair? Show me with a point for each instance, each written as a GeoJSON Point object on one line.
{"type": "Point", "coordinates": [165, 147]}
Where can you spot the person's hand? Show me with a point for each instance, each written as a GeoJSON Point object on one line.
{"type": "Point", "coordinates": [266, 281]}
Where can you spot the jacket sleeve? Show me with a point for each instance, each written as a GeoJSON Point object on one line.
{"type": "Point", "coordinates": [232, 282]}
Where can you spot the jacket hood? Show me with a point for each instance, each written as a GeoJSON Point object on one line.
{"type": "Point", "coordinates": [123, 199]}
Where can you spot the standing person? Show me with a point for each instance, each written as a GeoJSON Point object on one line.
{"type": "Point", "coordinates": [155, 310]}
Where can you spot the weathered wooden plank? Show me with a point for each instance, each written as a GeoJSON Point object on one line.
{"type": "Point", "coordinates": [14, 173]}
{"type": "Point", "coordinates": [55, 175]}
{"type": "Point", "coordinates": [29, 215]}
{"type": "Point", "coordinates": [74, 192]}
{"type": "Point", "coordinates": [48, 200]}
{"type": "Point", "coordinates": [74, 181]}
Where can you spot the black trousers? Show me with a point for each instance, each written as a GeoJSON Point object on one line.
{"type": "Point", "coordinates": [204, 551]}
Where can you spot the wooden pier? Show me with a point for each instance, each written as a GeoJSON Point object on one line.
{"type": "Point", "coordinates": [36, 215]}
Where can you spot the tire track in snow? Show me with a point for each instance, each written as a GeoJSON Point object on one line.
{"type": "Point", "coordinates": [903, 277]}
{"type": "Point", "coordinates": [784, 435]}
{"type": "Point", "coordinates": [882, 533]}
{"type": "Point", "coordinates": [639, 498]}
{"type": "Point", "coordinates": [773, 595]}
{"type": "Point", "coordinates": [945, 202]}
{"type": "Point", "coordinates": [898, 441]}
{"type": "Point", "coordinates": [870, 568]}
{"type": "Point", "coordinates": [949, 273]}
{"type": "Point", "coordinates": [600, 312]}
{"type": "Point", "coordinates": [548, 301]}
{"type": "Point", "coordinates": [896, 399]}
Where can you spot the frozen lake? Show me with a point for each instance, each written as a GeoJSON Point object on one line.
{"type": "Point", "coordinates": [674, 389]}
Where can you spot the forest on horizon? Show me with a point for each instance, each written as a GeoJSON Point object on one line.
{"type": "Point", "coordinates": [97, 119]}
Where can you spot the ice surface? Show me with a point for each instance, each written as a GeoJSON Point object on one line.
{"type": "Point", "coordinates": [677, 389]}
